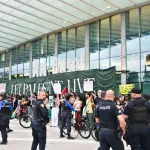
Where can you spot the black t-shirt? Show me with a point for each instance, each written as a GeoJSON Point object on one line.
{"type": "Point", "coordinates": [107, 112]}
{"type": "Point", "coordinates": [97, 100]}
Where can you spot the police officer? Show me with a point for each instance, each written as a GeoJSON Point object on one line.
{"type": "Point", "coordinates": [66, 115]}
{"type": "Point", "coordinates": [4, 118]}
{"type": "Point", "coordinates": [137, 111]}
{"type": "Point", "coordinates": [39, 121]}
{"type": "Point", "coordinates": [107, 115]}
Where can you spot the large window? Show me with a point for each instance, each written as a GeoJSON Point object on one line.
{"type": "Point", "coordinates": [36, 46]}
{"type": "Point", "coordinates": [71, 50]}
{"type": "Point", "coordinates": [62, 51]}
{"type": "Point", "coordinates": [7, 60]}
{"type": "Point", "coordinates": [27, 59]}
{"type": "Point", "coordinates": [51, 55]}
{"type": "Point", "coordinates": [94, 45]}
{"type": "Point", "coordinates": [14, 63]}
{"type": "Point", "coordinates": [2, 69]}
{"type": "Point", "coordinates": [43, 55]}
{"type": "Point", "coordinates": [20, 62]}
{"type": "Point", "coordinates": [80, 48]}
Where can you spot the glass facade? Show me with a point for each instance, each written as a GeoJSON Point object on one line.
{"type": "Point", "coordinates": [138, 50]}
{"type": "Point", "coordinates": [105, 43]}
{"type": "Point", "coordinates": [66, 51]}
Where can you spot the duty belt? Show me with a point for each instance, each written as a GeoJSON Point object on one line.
{"type": "Point", "coordinates": [108, 129]}
{"type": "Point", "coordinates": [139, 125]}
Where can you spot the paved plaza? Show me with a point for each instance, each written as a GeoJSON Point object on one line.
{"type": "Point", "coordinates": [21, 139]}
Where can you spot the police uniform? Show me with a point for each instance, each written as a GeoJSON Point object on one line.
{"type": "Point", "coordinates": [65, 119]}
{"type": "Point", "coordinates": [138, 111]}
{"type": "Point", "coordinates": [39, 121]}
{"type": "Point", "coordinates": [107, 112]}
{"type": "Point", "coordinates": [4, 119]}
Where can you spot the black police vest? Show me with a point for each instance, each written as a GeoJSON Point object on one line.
{"type": "Point", "coordinates": [140, 114]}
{"type": "Point", "coordinates": [65, 108]}
{"type": "Point", "coordinates": [36, 116]}
{"type": "Point", "coordinates": [5, 110]}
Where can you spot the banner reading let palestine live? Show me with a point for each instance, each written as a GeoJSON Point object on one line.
{"type": "Point", "coordinates": [102, 79]}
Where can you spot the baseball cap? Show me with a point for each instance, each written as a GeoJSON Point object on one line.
{"type": "Point", "coordinates": [136, 91]}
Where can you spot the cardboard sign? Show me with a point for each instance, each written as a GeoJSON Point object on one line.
{"type": "Point", "coordinates": [88, 85]}
{"type": "Point", "coordinates": [57, 88]}
{"type": "Point", "coordinates": [125, 89]}
{"type": "Point", "coordinates": [2, 87]}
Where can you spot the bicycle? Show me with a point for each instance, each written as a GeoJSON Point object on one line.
{"type": "Point", "coordinates": [94, 132]}
{"type": "Point", "coordinates": [79, 128]}
{"type": "Point", "coordinates": [25, 119]}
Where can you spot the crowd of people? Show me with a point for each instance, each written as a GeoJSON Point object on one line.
{"type": "Point", "coordinates": [108, 111]}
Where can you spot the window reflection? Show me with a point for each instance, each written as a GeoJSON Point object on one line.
{"type": "Point", "coordinates": [94, 64]}
{"type": "Point", "coordinates": [145, 61]}
{"type": "Point", "coordinates": [14, 64]}
{"type": "Point", "coordinates": [94, 42]}
{"type": "Point", "coordinates": [132, 31]}
{"type": "Point", "coordinates": [104, 38]}
{"type": "Point", "coordinates": [145, 28]}
{"type": "Point", "coordinates": [50, 55]}
{"type": "Point", "coordinates": [62, 51]}
{"type": "Point", "coordinates": [71, 50]}
{"type": "Point", "coordinates": [80, 48]}
{"type": "Point", "coordinates": [115, 40]}
{"type": "Point", "coordinates": [43, 51]}
{"type": "Point", "coordinates": [1, 68]}
{"type": "Point", "coordinates": [116, 61]}
{"type": "Point", "coordinates": [35, 58]}
{"type": "Point", "coordinates": [26, 60]}
{"type": "Point", "coordinates": [20, 61]}
{"type": "Point", "coordinates": [133, 63]}
{"type": "Point", "coordinates": [104, 63]}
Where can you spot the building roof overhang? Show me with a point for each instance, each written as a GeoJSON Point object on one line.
{"type": "Point", "coordinates": [24, 20]}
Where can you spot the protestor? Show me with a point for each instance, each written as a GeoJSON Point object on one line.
{"type": "Point", "coordinates": [39, 121]}
{"type": "Point", "coordinates": [77, 105]}
{"type": "Point", "coordinates": [89, 108]}
{"type": "Point", "coordinates": [55, 111]}
{"type": "Point", "coordinates": [138, 112]}
{"type": "Point", "coordinates": [108, 115]}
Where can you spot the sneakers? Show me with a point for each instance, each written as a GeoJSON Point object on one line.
{"type": "Point", "coordinates": [61, 136]}
{"type": "Point", "coordinates": [4, 143]}
{"type": "Point", "coordinates": [70, 137]}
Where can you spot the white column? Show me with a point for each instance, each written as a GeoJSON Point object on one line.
{"type": "Point", "coordinates": [123, 49]}
{"type": "Point", "coordinates": [87, 48]}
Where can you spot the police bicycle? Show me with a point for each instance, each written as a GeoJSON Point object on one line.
{"type": "Point", "coordinates": [80, 127]}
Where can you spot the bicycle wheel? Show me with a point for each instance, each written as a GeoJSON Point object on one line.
{"type": "Point", "coordinates": [84, 130]}
{"type": "Point", "coordinates": [25, 121]}
{"type": "Point", "coordinates": [94, 132]}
